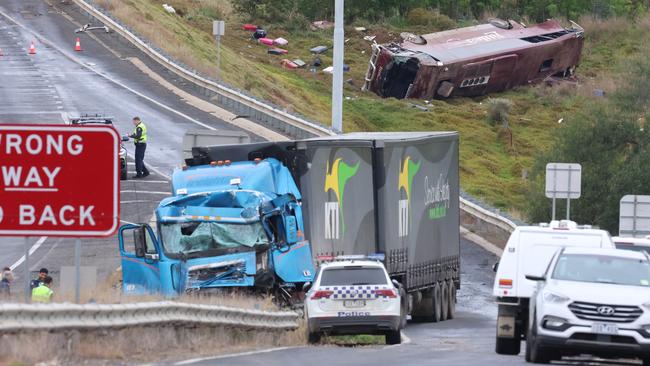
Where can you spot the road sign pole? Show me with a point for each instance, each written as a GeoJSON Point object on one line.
{"type": "Point", "coordinates": [218, 37]}
{"type": "Point", "coordinates": [554, 193]}
{"type": "Point", "coordinates": [27, 279]}
{"type": "Point", "coordinates": [568, 197]}
{"type": "Point", "coordinates": [77, 274]}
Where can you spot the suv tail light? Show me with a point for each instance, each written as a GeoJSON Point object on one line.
{"type": "Point", "coordinates": [503, 282]}
{"type": "Point", "coordinates": [386, 292]}
{"type": "Point", "coordinates": [322, 294]}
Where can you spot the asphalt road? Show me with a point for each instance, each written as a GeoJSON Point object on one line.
{"type": "Point", "coordinates": [466, 340]}
{"type": "Point", "coordinates": [56, 83]}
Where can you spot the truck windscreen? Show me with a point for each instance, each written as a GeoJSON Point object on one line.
{"type": "Point", "coordinates": [192, 237]}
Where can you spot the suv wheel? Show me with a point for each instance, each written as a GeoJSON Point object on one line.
{"type": "Point", "coordinates": [537, 353]}
{"type": "Point", "coordinates": [313, 337]}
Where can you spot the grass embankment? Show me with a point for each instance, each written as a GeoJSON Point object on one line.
{"type": "Point", "coordinates": [492, 167]}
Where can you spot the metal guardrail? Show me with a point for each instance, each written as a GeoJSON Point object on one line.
{"type": "Point", "coordinates": [20, 317]}
{"type": "Point", "coordinates": [260, 112]}
{"type": "Point", "coordinates": [487, 216]}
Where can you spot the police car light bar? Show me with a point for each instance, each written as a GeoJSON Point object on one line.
{"type": "Point", "coordinates": [373, 257]}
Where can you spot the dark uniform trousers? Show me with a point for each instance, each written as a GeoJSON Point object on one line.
{"type": "Point", "coordinates": [140, 148]}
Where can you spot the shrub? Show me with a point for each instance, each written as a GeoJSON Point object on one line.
{"type": "Point", "coordinates": [498, 109]}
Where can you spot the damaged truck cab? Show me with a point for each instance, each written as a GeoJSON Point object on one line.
{"type": "Point", "coordinates": [226, 225]}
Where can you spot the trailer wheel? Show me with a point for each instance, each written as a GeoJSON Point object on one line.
{"type": "Point", "coordinates": [403, 307]}
{"type": "Point", "coordinates": [451, 313]}
{"type": "Point", "coordinates": [444, 301]}
{"type": "Point", "coordinates": [437, 303]}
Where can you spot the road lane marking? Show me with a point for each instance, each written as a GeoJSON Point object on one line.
{"type": "Point", "coordinates": [241, 354]}
{"type": "Point", "coordinates": [36, 245]}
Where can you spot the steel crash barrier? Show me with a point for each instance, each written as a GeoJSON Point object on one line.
{"type": "Point", "coordinates": [476, 219]}
{"type": "Point", "coordinates": [21, 317]}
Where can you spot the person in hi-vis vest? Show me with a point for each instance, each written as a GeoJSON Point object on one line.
{"type": "Point", "coordinates": [139, 137]}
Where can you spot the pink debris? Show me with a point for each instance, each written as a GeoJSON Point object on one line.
{"type": "Point", "coordinates": [280, 41]}
{"type": "Point", "coordinates": [249, 27]}
{"type": "Point", "coordinates": [266, 41]}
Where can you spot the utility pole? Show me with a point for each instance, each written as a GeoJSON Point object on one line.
{"type": "Point", "coordinates": [218, 28]}
{"type": "Point", "coordinates": [337, 80]}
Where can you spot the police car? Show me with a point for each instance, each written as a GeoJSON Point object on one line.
{"type": "Point", "coordinates": [354, 295]}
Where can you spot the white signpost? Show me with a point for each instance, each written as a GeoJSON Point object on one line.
{"type": "Point", "coordinates": [563, 181]}
{"type": "Point", "coordinates": [218, 30]}
{"type": "Point", "coordinates": [634, 216]}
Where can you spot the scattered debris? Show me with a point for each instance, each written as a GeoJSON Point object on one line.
{"type": "Point", "coordinates": [277, 51]}
{"type": "Point", "coordinates": [249, 27]}
{"type": "Point", "coordinates": [369, 38]}
{"type": "Point", "coordinates": [560, 120]}
{"type": "Point", "coordinates": [289, 64]}
{"type": "Point", "coordinates": [169, 9]}
{"type": "Point", "coordinates": [266, 41]}
{"type": "Point", "coordinates": [88, 27]}
{"type": "Point", "coordinates": [346, 67]}
{"type": "Point", "coordinates": [350, 81]}
{"type": "Point", "coordinates": [318, 50]}
{"type": "Point", "coordinates": [360, 29]}
{"type": "Point", "coordinates": [420, 107]}
{"type": "Point", "coordinates": [322, 24]}
{"type": "Point", "coordinates": [599, 93]}
{"type": "Point", "coordinates": [474, 60]}
{"type": "Point", "coordinates": [317, 62]}
{"type": "Point", "coordinates": [281, 41]}
{"type": "Point", "coordinates": [329, 70]}
{"type": "Point", "coordinates": [259, 33]}
{"type": "Point", "coordinates": [299, 62]}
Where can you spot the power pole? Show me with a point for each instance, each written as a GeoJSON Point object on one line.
{"type": "Point", "coordinates": [337, 80]}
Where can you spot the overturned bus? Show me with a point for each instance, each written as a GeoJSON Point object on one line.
{"type": "Point", "coordinates": [474, 60]}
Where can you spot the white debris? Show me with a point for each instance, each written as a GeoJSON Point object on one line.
{"type": "Point", "coordinates": [329, 70]}
{"type": "Point", "coordinates": [560, 120]}
{"type": "Point", "coordinates": [169, 9]}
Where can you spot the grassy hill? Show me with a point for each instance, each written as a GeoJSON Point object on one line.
{"type": "Point", "coordinates": [493, 166]}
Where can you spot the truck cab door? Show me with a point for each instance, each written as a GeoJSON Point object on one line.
{"type": "Point", "coordinates": [140, 258]}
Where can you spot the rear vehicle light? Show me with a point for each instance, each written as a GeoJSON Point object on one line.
{"type": "Point", "coordinates": [386, 292]}
{"type": "Point", "coordinates": [505, 283]}
{"type": "Point", "coordinates": [322, 294]}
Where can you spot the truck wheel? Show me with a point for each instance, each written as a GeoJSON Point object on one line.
{"type": "Point", "coordinates": [645, 361]}
{"type": "Point", "coordinates": [393, 337]}
{"type": "Point", "coordinates": [313, 337]}
{"type": "Point", "coordinates": [437, 303]}
{"type": "Point", "coordinates": [444, 301]}
{"type": "Point", "coordinates": [451, 313]}
{"type": "Point", "coordinates": [508, 346]}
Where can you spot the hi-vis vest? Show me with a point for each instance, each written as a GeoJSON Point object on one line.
{"type": "Point", "coordinates": [143, 137]}
{"type": "Point", "coordinates": [42, 293]}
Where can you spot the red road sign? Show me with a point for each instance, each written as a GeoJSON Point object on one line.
{"type": "Point", "coordinates": [59, 180]}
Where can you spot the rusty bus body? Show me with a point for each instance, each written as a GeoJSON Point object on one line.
{"type": "Point", "coordinates": [474, 60]}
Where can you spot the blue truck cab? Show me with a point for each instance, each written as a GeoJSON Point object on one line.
{"type": "Point", "coordinates": [226, 225]}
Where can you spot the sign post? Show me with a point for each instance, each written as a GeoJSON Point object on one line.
{"type": "Point", "coordinates": [218, 30]}
{"type": "Point", "coordinates": [563, 181]}
{"type": "Point", "coordinates": [58, 180]}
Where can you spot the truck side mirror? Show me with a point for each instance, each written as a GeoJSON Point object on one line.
{"type": "Point", "coordinates": [139, 240]}
{"type": "Point", "coordinates": [495, 267]}
{"type": "Point", "coordinates": [306, 286]}
{"type": "Point", "coordinates": [291, 229]}
{"type": "Point", "coordinates": [125, 137]}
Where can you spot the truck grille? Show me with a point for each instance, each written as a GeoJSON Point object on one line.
{"type": "Point", "coordinates": [599, 312]}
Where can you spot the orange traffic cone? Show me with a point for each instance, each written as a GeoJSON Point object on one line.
{"type": "Point", "coordinates": [77, 46]}
{"type": "Point", "coordinates": [32, 49]}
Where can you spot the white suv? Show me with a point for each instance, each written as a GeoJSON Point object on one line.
{"type": "Point", "coordinates": [354, 297]}
{"type": "Point", "coordinates": [594, 301]}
